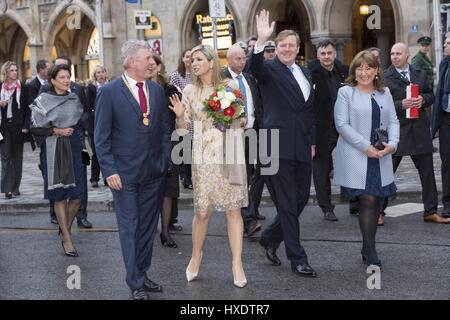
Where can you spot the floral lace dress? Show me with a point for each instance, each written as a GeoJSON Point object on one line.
{"type": "Point", "coordinates": [212, 190]}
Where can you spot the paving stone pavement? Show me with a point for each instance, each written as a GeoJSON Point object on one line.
{"type": "Point", "coordinates": [100, 199]}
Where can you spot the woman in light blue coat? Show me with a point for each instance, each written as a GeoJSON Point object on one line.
{"type": "Point", "coordinates": [362, 170]}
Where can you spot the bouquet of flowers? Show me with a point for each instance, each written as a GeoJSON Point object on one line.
{"type": "Point", "coordinates": [224, 105]}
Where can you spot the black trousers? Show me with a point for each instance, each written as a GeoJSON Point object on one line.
{"type": "Point", "coordinates": [424, 164]}
{"type": "Point", "coordinates": [444, 150]}
{"type": "Point", "coordinates": [248, 213]}
{"type": "Point", "coordinates": [12, 160]}
{"type": "Point", "coordinates": [292, 186]}
{"type": "Point", "coordinates": [322, 167]}
{"type": "Point", "coordinates": [95, 166]}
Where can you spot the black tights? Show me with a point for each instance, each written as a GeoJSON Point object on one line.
{"type": "Point", "coordinates": [368, 221]}
{"type": "Point", "coordinates": [166, 215]}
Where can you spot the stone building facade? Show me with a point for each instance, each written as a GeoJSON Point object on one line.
{"type": "Point", "coordinates": [34, 29]}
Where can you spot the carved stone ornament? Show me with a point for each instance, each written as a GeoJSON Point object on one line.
{"type": "Point", "coordinates": [3, 6]}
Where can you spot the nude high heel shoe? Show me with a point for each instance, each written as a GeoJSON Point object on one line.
{"type": "Point", "coordinates": [191, 276]}
{"type": "Point", "coordinates": [239, 283]}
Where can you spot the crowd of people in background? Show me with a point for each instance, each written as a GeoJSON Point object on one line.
{"type": "Point", "coordinates": [346, 124]}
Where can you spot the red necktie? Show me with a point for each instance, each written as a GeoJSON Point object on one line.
{"type": "Point", "coordinates": [142, 97]}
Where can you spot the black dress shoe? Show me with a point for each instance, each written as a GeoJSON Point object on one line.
{"type": "Point", "coordinates": [16, 193]}
{"type": "Point", "coordinates": [330, 216]}
{"type": "Point", "coordinates": [304, 270]}
{"type": "Point", "coordinates": [139, 294]}
{"type": "Point", "coordinates": [187, 184]}
{"type": "Point", "coordinates": [150, 286]}
{"type": "Point", "coordinates": [8, 195]}
{"type": "Point", "coordinates": [54, 220]}
{"type": "Point", "coordinates": [167, 242]}
{"type": "Point", "coordinates": [94, 184]}
{"type": "Point", "coordinates": [84, 223]}
{"type": "Point", "coordinates": [175, 227]}
{"type": "Point", "coordinates": [260, 217]}
{"type": "Point", "coordinates": [271, 254]}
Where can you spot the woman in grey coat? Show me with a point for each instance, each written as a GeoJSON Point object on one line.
{"type": "Point", "coordinates": [362, 170]}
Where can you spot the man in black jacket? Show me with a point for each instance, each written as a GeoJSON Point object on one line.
{"type": "Point", "coordinates": [328, 76]}
{"type": "Point", "coordinates": [415, 137]}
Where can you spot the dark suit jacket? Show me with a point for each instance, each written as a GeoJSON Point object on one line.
{"type": "Point", "coordinates": [415, 137]}
{"type": "Point", "coordinates": [437, 108]}
{"type": "Point", "coordinates": [324, 100]}
{"type": "Point", "coordinates": [257, 104]}
{"type": "Point", "coordinates": [33, 89]}
{"type": "Point", "coordinates": [124, 145]}
{"type": "Point", "coordinates": [21, 117]}
{"type": "Point", "coordinates": [285, 107]}
{"type": "Point", "coordinates": [91, 94]}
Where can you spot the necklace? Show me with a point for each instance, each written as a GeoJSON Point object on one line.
{"type": "Point", "coordinates": [146, 119]}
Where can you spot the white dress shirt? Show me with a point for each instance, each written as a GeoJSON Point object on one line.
{"type": "Point", "coordinates": [297, 73]}
{"type": "Point", "coordinates": [301, 80]}
{"type": "Point", "coordinates": [249, 97]}
{"type": "Point", "coordinates": [134, 87]}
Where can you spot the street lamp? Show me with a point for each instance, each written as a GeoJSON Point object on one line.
{"type": "Point", "coordinates": [364, 10]}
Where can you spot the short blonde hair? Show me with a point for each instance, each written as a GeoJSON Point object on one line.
{"type": "Point", "coordinates": [286, 33]}
{"type": "Point", "coordinates": [211, 55]}
{"type": "Point", "coordinates": [5, 69]}
{"type": "Point", "coordinates": [96, 68]}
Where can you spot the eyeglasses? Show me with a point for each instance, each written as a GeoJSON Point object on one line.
{"type": "Point", "coordinates": [269, 50]}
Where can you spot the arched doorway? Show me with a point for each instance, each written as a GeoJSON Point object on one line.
{"type": "Point", "coordinates": [13, 46]}
{"type": "Point", "coordinates": [366, 36]}
{"type": "Point", "coordinates": [197, 27]}
{"type": "Point", "coordinates": [288, 14]}
{"type": "Point", "coordinates": [69, 33]}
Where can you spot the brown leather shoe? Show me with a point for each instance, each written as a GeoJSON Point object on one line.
{"type": "Point", "coordinates": [381, 220]}
{"type": "Point", "coordinates": [436, 219]}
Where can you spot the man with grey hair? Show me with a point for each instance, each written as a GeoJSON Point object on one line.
{"type": "Point", "coordinates": [132, 139]}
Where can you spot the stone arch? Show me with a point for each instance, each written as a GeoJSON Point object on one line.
{"type": "Point", "coordinates": [307, 4]}
{"type": "Point", "coordinates": [13, 41]}
{"type": "Point", "coordinates": [338, 23]}
{"type": "Point", "coordinates": [188, 14]}
{"type": "Point", "coordinates": [336, 12]}
{"type": "Point", "coordinates": [50, 31]}
{"type": "Point", "coordinates": [21, 22]}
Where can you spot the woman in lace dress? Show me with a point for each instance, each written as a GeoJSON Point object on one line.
{"type": "Point", "coordinates": [213, 189]}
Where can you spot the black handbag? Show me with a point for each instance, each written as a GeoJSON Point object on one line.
{"type": "Point", "coordinates": [380, 136]}
{"type": "Point", "coordinates": [85, 158]}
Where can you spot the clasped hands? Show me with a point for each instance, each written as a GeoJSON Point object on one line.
{"type": "Point", "coordinates": [412, 103]}
{"type": "Point", "coordinates": [63, 132]}
{"type": "Point", "coordinates": [374, 153]}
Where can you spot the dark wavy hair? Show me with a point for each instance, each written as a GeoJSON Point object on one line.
{"type": "Point", "coordinates": [53, 73]}
{"type": "Point", "coordinates": [181, 66]}
{"type": "Point", "coordinates": [372, 61]}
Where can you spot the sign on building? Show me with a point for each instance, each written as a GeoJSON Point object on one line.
{"type": "Point", "coordinates": [143, 19]}
{"type": "Point", "coordinates": [156, 45]}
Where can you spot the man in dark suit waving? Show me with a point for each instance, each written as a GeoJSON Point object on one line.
{"type": "Point", "coordinates": [132, 140]}
{"type": "Point", "coordinates": [287, 95]}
